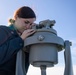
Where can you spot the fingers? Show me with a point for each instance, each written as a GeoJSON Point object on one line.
{"type": "Point", "coordinates": [31, 31]}
{"type": "Point", "coordinates": [27, 33]}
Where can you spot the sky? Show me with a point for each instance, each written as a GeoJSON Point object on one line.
{"type": "Point", "coordinates": [62, 11]}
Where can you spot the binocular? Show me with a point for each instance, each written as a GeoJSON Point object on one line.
{"type": "Point", "coordinates": [44, 24]}
{"type": "Point", "coordinates": [43, 47]}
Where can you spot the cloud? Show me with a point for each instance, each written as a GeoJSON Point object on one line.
{"type": "Point", "coordinates": [59, 70]}
{"type": "Point", "coordinates": [73, 50]}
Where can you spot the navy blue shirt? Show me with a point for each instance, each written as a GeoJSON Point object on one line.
{"type": "Point", "coordinates": [10, 44]}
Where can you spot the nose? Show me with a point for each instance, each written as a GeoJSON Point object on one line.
{"type": "Point", "coordinates": [28, 26]}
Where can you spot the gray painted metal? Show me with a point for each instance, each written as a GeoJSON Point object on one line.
{"type": "Point", "coordinates": [44, 46]}
{"type": "Point", "coordinates": [68, 59]}
{"type": "Point", "coordinates": [20, 63]}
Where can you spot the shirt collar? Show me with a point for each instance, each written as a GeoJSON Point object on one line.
{"type": "Point", "coordinates": [12, 27]}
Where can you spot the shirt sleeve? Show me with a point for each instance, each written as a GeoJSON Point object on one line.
{"type": "Point", "coordinates": [9, 47]}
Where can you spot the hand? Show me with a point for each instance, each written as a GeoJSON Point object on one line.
{"type": "Point", "coordinates": [27, 33]}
